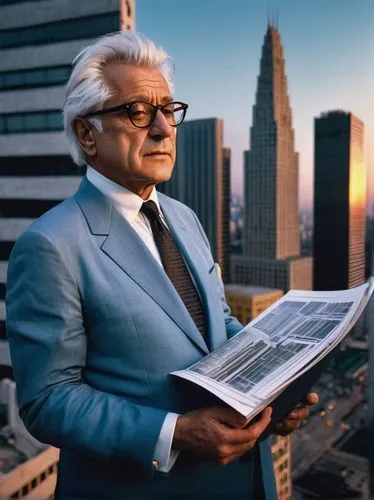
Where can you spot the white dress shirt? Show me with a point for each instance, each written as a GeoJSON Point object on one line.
{"type": "Point", "coordinates": [128, 204]}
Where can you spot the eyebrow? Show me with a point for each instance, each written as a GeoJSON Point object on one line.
{"type": "Point", "coordinates": [142, 97]}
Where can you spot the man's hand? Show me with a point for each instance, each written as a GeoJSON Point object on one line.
{"type": "Point", "coordinates": [297, 415]}
{"type": "Point", "coordinates": [218, 434]}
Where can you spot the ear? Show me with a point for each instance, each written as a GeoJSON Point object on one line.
{"type": "Point", "coordinates": [84, 132]}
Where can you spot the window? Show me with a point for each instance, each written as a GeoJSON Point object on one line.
{"type": "Point", "coordinates": [13, 124]}
{"type": "Point", "coordinates": [24, 208]}
{"type": "Point", "coordinates": [39, 165]}
{"type": "Point", "coordinates": [34, 121]}
{"type": "Point", "coordinates": [10, 80]}
{"type": "Point", "coordinates": [54, 120]}
{"type": "Point", "coordinates": [8, 2]}
{"type": "Point", "coordinates": [36, 77]}
{"type": "Point", "coordinates": [3, 335]}
{"type": "Point", "coordinates": [68, 29]}
{"type": "Point", "coordinates": [5, 249]}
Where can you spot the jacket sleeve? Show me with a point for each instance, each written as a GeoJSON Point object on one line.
{"type": "Point", "coordinates": [47, 339]}
{"type": "Point", "coordinates": [233, 326]}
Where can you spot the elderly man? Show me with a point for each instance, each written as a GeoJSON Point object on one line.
{"type": "Point", "coordinates": [115, 288]}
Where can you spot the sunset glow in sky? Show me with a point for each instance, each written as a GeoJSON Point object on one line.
{"type": "Point", "coordinates": [216, 47]}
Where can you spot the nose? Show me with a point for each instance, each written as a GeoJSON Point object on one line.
{"type": "Point", "coordinates": [160, 128]}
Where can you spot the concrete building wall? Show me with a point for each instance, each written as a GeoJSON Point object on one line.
{"type": "Point", "coordinates": [281, 451]}
{"type": "Point", "coordinates": [21, 15]}
{"type": "Point", "coordinates": [248, 302]}
{"type": "Point", "coordinates": [301, 273]}
{"type": "Point", "coordinates": [36, 171]}
{"type": "Point", "coordinates": [283, 274]}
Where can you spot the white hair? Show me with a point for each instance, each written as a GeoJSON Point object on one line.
{"type": "Point", "coordinates": [87, 90]}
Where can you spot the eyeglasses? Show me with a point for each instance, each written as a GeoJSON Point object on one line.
{"type": "Point", "coordinates": [142, 114]}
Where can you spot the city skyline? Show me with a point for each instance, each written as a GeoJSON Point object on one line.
{"type": "Point", "coordinates": [216, 47]}
{"type": "Point", "coordinates": [328, 68]}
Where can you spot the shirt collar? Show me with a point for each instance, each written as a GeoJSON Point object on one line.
{"type": "Point", "coordinates": [128, 202]}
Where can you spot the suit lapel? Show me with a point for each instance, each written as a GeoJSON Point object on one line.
{"type": "Point", "coordinates": [128, 251]}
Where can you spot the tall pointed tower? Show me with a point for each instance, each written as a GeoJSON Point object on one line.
{"type": "Point", "coordinates": [271, 170]}
{"type": "Point", "coordinates": [271, 251]}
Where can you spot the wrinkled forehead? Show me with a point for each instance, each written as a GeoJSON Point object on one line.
{"type": "Point", "coordinates": [129, 82]}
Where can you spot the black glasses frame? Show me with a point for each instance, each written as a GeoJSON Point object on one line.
{"type": "Point", "coordinates": [127, 107]}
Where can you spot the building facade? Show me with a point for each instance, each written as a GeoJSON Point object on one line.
{"type": "Point", "coordinates": [246, 303]}
{"type": "Point", "coordinates": [271, 251]}
{"type": "Point", "coordinates": [38, 41]}
{"type": "Point", "coordinates": [281, 452]}
{"type": "Point", "coordinates": [201, 180]}
{"type": "Point", "coordinates": [27, 467]}
{"type": "Point", "coordinates": [339, 201]}
{"type": "Point", "coordinates": [226, 213]}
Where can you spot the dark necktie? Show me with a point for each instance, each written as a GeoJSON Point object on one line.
{"type": "Point", "coordinates": [174, 265]}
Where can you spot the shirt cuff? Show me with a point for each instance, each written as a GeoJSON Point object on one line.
{"type": "Point", "coordinates": [164, 457]}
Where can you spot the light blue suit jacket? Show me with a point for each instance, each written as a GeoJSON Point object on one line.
{"type": "Point", "coordinates": [95, 327]}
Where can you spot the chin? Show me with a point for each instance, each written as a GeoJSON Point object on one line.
{"type": "Point", "coordinates": [162, 174]}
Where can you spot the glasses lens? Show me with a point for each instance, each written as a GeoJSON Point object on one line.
{"type": "Point", "coordinates": [174, 113]}
{"type": "Point", "coordinates": [141, 113]}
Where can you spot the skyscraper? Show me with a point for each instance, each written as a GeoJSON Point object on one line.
{"type": "Point", "coordinates": [226, 213]}
{"type": "Point", "coordinates": [339, 201]}
{"type": "Point", "coordinates": [201, 181]}
{"type": "Point", "coordinates": [38, 42]}
{"type": "Point", "coordinates": [271, 251]}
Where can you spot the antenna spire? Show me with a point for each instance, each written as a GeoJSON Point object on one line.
{"type": "Point", "coordinates": [272, 12]}
{"type": "Point", "coordinates": [277, 16]}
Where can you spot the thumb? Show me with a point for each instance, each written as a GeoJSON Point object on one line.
{"type": "Point", "coordinates": [230, 417]}
{"type": "Point", "coordinates": [263, 418]}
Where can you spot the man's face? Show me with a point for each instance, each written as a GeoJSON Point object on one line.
{"type": "Point", "coordinates": [136, 158]}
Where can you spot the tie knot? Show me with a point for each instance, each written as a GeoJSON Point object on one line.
{"type": "Point", "coordinates": [150, 209]}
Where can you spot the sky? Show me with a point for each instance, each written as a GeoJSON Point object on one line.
{"type": "Point", "coordinates": [216, 48]}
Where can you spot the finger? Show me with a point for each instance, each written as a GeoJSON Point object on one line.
{"type": "Point", "coordinates": [285, 428]}
{"type": "Point", "coordinates": [283, 431]}
{"type": "Point", "coordinates": [250, 431]}
{"type": "Point", "coordinates": [312, 398]}
{"type": "Point", "coordinates": [236, 451]}
{"type": "Point", "coordinates": [290, 423]}
{"type": "Point", "coordinates": [228, 416]}
{"type": "Point", "coordinates": [257, 428]}
{"type": "Point", "coordinates": [300, 413]}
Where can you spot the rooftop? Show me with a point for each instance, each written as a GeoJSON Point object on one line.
{"type": "Point", "coordinates": [249, 290]}
{"type": "Point", "coordinates": [333, 112]}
